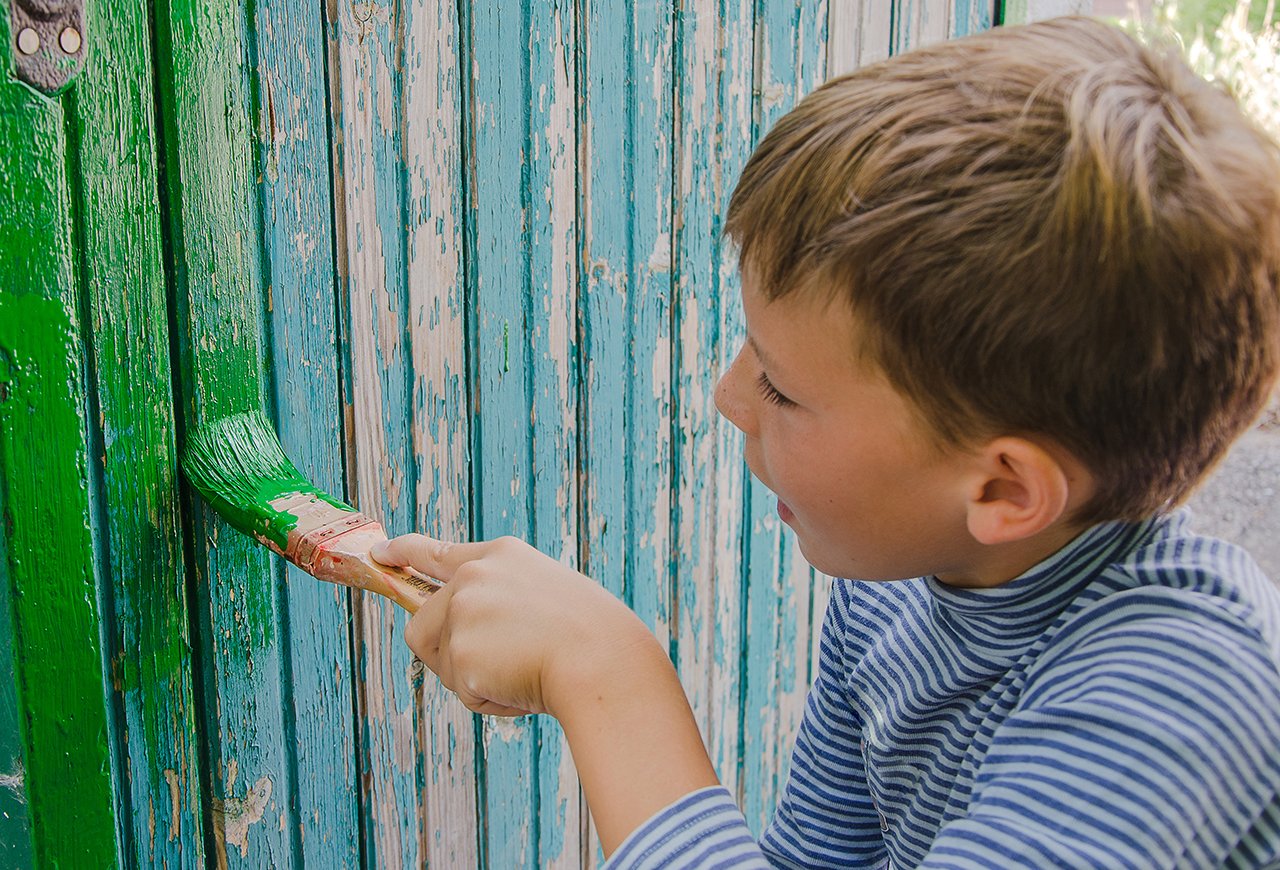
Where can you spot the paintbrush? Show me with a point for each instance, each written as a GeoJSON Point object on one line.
{"type": "Point", "coordinates": [237, 464]}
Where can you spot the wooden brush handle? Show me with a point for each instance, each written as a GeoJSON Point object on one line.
{"type": "Point", "coordinates": [345, 559]}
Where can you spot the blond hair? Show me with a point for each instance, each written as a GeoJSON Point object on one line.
{"type": "Point", "coordinates": [1049, 230]}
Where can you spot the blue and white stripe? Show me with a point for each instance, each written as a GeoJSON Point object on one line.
{"type": "Point", "coordinates": [1116, 706]}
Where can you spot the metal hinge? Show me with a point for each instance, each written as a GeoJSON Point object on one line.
{"type": "Point", "coordinates": [47, 41]}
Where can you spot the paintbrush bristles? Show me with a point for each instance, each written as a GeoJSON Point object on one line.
{"type": "Point", "coordinates": [238, 465]}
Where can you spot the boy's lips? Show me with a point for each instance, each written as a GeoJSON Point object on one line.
{"type": "Point", "coordinates": [785, 512]}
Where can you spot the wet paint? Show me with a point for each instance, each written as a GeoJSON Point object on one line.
{"type": "Point", "coordinates": [238, 465]}
{"type": "Point", "coordinates": [221, 308]}
{"type": "Point", "coordinates": [64, 771]}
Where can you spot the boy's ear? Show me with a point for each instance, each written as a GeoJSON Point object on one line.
{"type": "Point", "coordinates": [1019, 490]}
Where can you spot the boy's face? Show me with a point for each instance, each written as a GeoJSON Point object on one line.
{"type": "Point", "coordinates": [866, 494]}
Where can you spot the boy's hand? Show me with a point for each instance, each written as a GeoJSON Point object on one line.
{"type": "Point", "coordinates": [513, 631]}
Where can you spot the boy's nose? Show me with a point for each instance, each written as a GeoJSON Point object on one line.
{"type": "Point", "coordinates": [729, 397]}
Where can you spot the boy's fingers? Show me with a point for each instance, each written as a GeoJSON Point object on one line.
{"type": "Point", "coordinates": [438, 559]}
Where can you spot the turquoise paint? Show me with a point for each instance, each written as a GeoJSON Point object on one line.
{"type": "Point", "coordinates": [369, 174]}
{"type": "Point", "coordinates": [626, 76]}
{"type": "Point", "coordinates": [503, 115]}
{"type": "Point", "coordinates": [296, 196]}
{"type": "Point", "coordinates": [551, 311]}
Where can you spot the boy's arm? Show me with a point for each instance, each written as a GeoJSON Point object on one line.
{"type": "Point", "coordinates": [1152, 744]}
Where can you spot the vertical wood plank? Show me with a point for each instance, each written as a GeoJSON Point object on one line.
{"type": "Point", "coordinates": [920, 22]}
{"type": "Point", "coordinates": [438, 357]}
{"type": "Point", "coordinates": [293, 176]}
{"type": "Point", "coordinates": [551, 333]}
{"type": "Point", "coordinates": [792, 49]}
{"type": "Point", "coordinates": [521, 199]}
{"type": "Point", "coordinates": [626, 125]}
{"type": "Point", "coordinates": [204, 75]}
{"type": "Point", "coordinates": [860, 33]}
{"type": "Point", "coordinates": [972, 16]}
{"type": "Point", "coordinates": [15, 821]}
{"type": "Point", "coordinates": [366, 71]}
{"type": "Point", "coordinates": [49, 570]}
{"type": "Point", "coordinates": [714, 85]}
{"type": "Point", "coordinates": [140, 560]}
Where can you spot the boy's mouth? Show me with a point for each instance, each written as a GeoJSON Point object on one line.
{"type": "Point", "coordinates": [785, 512]}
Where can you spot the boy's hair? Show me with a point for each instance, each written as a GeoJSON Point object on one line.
{"type": "Point", "coordinates": [1049, 230]}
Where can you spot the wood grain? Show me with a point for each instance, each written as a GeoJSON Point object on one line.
{"type": "Point", "coordinates": [367, 81]}
{"type": "Point", "coordinates": [293, 173]}
{"type": "Point", "coordinates": [222, 361]}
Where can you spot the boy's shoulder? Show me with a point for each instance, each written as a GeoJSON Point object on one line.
{"type": "Point", "coordinates": [1188, 583]}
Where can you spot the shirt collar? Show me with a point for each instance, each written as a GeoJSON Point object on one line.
{"type": "Point", "coordinates": [1027, 604]}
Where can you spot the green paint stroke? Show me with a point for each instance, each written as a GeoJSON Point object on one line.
{"type": "Point", "coordinates": [55, 622]}
{"type": "Point", "coordinates": [237, 464]}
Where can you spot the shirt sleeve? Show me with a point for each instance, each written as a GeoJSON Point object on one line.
{"type": "Point", "coordinates": [1148, 743]}
{"type": "Point", "coordinates": [825, 817]}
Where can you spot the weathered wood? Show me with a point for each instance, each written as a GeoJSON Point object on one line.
{"type": "Point", "coordinates": [49, 571]}
{"type": "Point", "coordinates": [551, 334]}
{"type": "Point", "coordinates": [293, 175]}
{"type": "Point", "coordinates": [791, 61]}
{"type": "Point", "coordinates": [470, 254]}
{"type": "Point", "coordinates": [625, 119]}
{"type": "Point", "coordinates": [367, 79]}
{"type": "Point", "coordinates": [438, 357]}
{"type": "Point", "coordinates": [157, 756]}
{"type": "Point", "coordinates": [222, 357]}
{"type": "Point", "coordinates": [521, 204]}
{"type": "Point", "coordinates": [860, 32]}
{"type": "Point", "coordinates": [920, 22]}
{"type": "Point", "coordinates": [714, 63]}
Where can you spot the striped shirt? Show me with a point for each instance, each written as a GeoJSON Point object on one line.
{"type": "Point", "coordinates": [1118, 705]}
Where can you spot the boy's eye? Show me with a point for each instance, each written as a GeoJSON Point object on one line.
{"type": "Point", "coordinates": [770, 392]}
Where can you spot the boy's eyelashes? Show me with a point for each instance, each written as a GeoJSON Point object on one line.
{"type": "Point", "coordinates": [770, 392]}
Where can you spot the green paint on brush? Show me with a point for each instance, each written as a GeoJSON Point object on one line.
{"type": "Point", "coordinates": [237, 464]}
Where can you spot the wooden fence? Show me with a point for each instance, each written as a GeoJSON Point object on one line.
{"type": "Point", "coordinates": [467, 256]}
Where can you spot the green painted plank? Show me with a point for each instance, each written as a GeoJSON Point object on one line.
{"type": "Point", "coordinates": [294, 178]}
{"type": "Point", "coordinates": [44, 474]}
{"type": "Point", "coordinates": [158, 786]}
{"type": "Point", "coordinates": [221, 309]}
{"type": "Point", "coordinates": [367, 80]}
{"type": "Point", "coordinates": [15, 821]}
{"type": "Point", "coordinates": [150, 673]}
{"type": "Point", "coordinates": [433, 159]}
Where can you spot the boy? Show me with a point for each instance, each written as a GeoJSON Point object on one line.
{"type": "Point", "coordinates": [1007, 298]}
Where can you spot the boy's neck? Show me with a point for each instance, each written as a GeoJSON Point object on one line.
{"type": "Point", "coordinates": [997, 565]}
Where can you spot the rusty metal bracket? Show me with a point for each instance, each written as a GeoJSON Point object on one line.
{"type": "Point", "coordinates": [47, 41]}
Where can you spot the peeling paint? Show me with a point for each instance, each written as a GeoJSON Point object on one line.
{"type": "Point", "coordinates": [232, 818]}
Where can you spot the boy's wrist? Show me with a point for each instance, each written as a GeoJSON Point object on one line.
{"type": "Point", "coordinates": [610, 659]}
{"type": "Point", "coordinates": [629, 726]}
